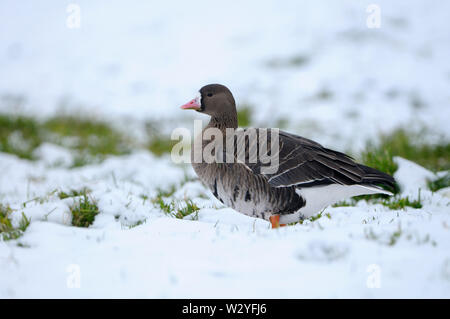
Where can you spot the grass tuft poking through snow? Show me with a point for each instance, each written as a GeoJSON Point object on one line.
{"type": "Point", "coordinates": [138, 223]}
{"type": "Point", "coordinates": [73, 193]}
{"type": "Point", "coordinates": [395, 236]}
{"type": "Point", "coordinates": [395, 203]}
{"type": "Point", "coordinates": [90, 139]}
{"type": "Point", "coordinates": [84, 211]}
{"type": "Point", "coordinates": [316, 217]}
{"type": "Point", "coordinates": [160, 144]}
{"type": "Point", "coordinates": [93, 139]}
{"type": "Point", "coordinates": [389, 239]}
{"type": "Point", "coordinates": [157, 142]}
{"type": "Point", "coordinates": [408, 145]}
{"type": "Point", "coordinates": [312, 218]}
{"type": "Point", "coordinates": [19, 135]}
{"type": "Point", "coordinates": [177, 209]}
{"type": "Point", "coordinates": [7, 230]}
{"type": "Point", "coordinates": [344, 203]}
{"type": "Point", "coordinates": [174, 208]}
{"type": "Point", "coordinates": [186, 208]}
{"type": "Point", "coordinates": [380, 158]}
{"type": "Point", "coordinates": [441, 182]}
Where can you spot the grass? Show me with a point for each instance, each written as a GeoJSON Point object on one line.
{"type": "Point", "coordinates": [244, 115]}
{"type": "Point", "coordinates": [409, 145]}
{"type": "Point", "coordinates": [312, 218]}
{"type": "Point", "coordinates": [138, 223]}
{"type": "Point", "coordinates": [157, 143]}
{"type": "Point", "coordinates": [39, 199]}
{"type": "Point", "coordinates": [186, 209]}
{"type": "Point", "coordinates": [344, 203]}
{"type": "Point", "coordinates": [19, 135]}
{"type": "Point", "coordinates": [84, 211]}
{"type": "Point", "coordinates": [91, 139]}
{"type": "Point", "coordinates": [439, 183]}
{"type": "Point", "coordinates": [293, 61]}
{"type": "Point", "coordinates": [379, 157]}
{"type": "Point", "coordinates": [160, 144]}
{"type": "Point", "coordinates": [166, 208]}
{"type": "Point", "coordinates": [177, 209]}
{"type": "Point", "coordinates": [282, 123]}
{"type": "Point", "coordinates": [391, 238]}
{"type": "Point", "coordinates": [324, 94]}
{"type": "Point", "coordinates": [316, 217]}
{"type": "Point", "coordinates": [246, 118]}
{"type": "Point", "coordinates": [390, 241]}
{"type": "Point", "coordinates": [7, 230]}
{"type": "Point", "coordinates": [73, 193]}
{"type": "Point", "coordinates": [166, 192]}
{"type": "Point", "coordinates": [396, 203]}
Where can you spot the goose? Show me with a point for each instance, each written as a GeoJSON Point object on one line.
{"type": "Point", "coordinates": [308, 177]}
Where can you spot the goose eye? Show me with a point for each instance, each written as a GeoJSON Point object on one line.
{"type": "Point", "coordinates": [209, 94]}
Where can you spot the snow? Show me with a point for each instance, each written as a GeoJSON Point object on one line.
{"type": "Point", "coordinates": [222, 254]}
{"type": "Point", "coordinates": [53, 155]}
{"type": "Point", "coordinates": [412, 176]}
{"type": "Point", "coordinates": [132, 63]}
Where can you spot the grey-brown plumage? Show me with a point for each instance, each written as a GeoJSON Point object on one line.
{"type": "Point", "coordinates": [309, 176]}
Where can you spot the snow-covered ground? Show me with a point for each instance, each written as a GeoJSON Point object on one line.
{"type": "Point", "coordinates": [140, 62]}
{"type": "Point", "coordinates": [362, 251]}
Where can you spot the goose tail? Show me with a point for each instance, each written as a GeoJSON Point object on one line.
{"type": "Point", "coordinates": [375, 178]}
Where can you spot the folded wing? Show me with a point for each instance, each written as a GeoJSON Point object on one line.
{"type": "Point", "coordinates": [304, 163]}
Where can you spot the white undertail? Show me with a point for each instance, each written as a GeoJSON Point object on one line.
{"type": "Point", "coordinates": [319, 197]}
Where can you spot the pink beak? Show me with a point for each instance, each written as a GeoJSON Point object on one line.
{"type": "Point", "coordinates": [193, 104]}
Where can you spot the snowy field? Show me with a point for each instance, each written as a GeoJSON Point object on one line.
{"type": "Point", "coordinates": [314, 66]}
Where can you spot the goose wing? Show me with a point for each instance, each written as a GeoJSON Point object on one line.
{"type": "Point", "coordinates": [303, 162]}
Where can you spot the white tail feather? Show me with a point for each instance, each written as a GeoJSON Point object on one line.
{"type": "Point", "coordinates": [319, 197]}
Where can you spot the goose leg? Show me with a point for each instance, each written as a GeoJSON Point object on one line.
{"type": "Point", "coordinates": [275, 221]}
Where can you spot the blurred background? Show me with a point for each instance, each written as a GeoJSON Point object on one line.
{"type": "Point", "coordinates": [319, 69]}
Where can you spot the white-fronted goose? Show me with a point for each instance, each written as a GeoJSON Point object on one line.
{"type": "Point", "coordinates": [309, 177]}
